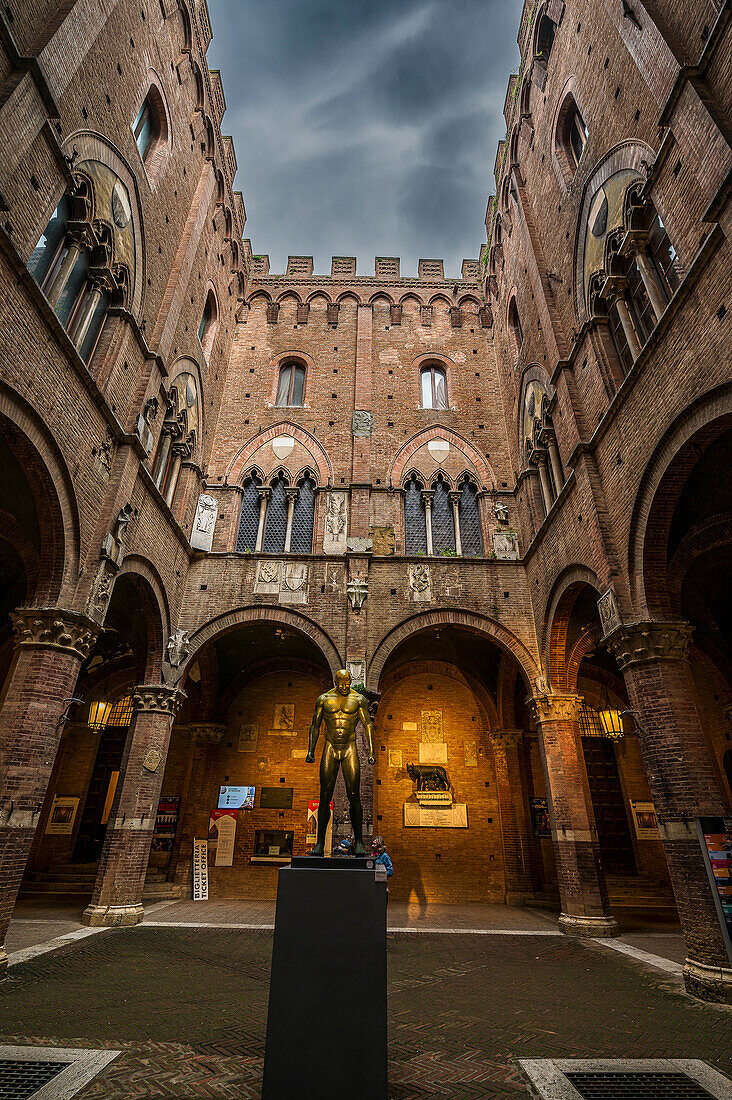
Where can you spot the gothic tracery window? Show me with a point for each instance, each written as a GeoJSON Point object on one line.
{"type": "Point", "coordinates": [415, 527]}
{"type": "Point", "coordinates": [246, 540]}
{"type": "Point", "coordinates": [470, 533]}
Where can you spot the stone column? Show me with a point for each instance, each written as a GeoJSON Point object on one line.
{"type": "Point", "coordinates": [180, 451]}
{"type": "Point", "coordinates": [264, 495]}
{"type": "Point", "coordinates": [50, 645]}
{"type": "Point", "coordinates": [628, 327]}
{"type": "Point", "coordinates": [162, 461]}
{"type": "Point", "coordinates": [93, 299]}
{"type": "Point", "coordinates": [67, 266]}
{"type": "Point", "coordinates": [546, 489]}
{"type": "Point", "coordinates": [427, 496]}
{"type": "Point", "coordinates": [455, 501]}
{"type": "Point", "coordinates": [515, 840]}
{"type": "Point", "coordinates": [654, 658]}
{"type": "Point", "coordinates": [117, 897]}
{"type": "Point", "coordinates": [292, 495]}
{"type": "Point", "coordinates": [650, 282]}
{"type": "Point", "coordinates": [554, 462]}
{"type": "Point", "coordinates": [585, 907]}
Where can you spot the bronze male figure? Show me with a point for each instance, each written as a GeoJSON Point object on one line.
{"type": "Point", "coordinates": [340, 709]}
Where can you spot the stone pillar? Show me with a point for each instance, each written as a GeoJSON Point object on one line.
{"type": "Point", "coordinates": [585, 907]}
{"type": "Point", "coordinates": [164, 453]}
{"type": "Point", "coordinates": [67, 266]}
{"type": "Point", "coordinates": [654, 658]}
{"type": "Point", "coordinates": [292, 495]}
{"type": "Point", "coordinates": [264, 495]}
{"type": "Point", "coordinates": [455, 501]}
{"type": "Point", "coordinates": [180, 451]}
{"type": "Point", "coordinates": [546, 489]}
{"type": "Point", "coordinates": [650, 282]}
{"type": "Point", "coordinates": [51, 644]}
{"type": "Point", "coordinates": [93, 299]}
{"type": "Point", "coordinates": [628, 327]}
{"type": "Point", "coordinates": [427, 496]}
{"type": "Point", "coordinates": [555, 463]}
{"type": "Point", "coordinates": [117, 897]}
{"type": "Point", "coordinates": [516, 851]}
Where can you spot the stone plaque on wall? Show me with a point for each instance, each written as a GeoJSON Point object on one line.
{"type": "Point", "coordinates": [268, 578]}
{"type": "Point", "coordinates": [336, 523]}
{"type": "Point", "coordinates": [432, 725]}
{"type": "Point", "coordinates": [506, 545]}
{"type": "Point", "coordinates": [357, 670]}
{"type": "Point", "coordinates": [609, 612]}
{"type": "Point", "coordinates": [284, 717]}
{"type": "Point", "coordinates": [395, 758]}
{"type": "Point", "coordinates": [204, 523]}
{"type": "Point", "coordinates": [294, 587]}
{"type": "Point", "coordinates": [471, 754]}
{"type": "Point", "coordinates": [420, 582]}
{"type": "Point", "coordinates": [448, 817]}
{"type": "Point", "coordinates": [432, 752]}
{"type": "Point", "coordinates": [410, 726]}
{"type": "Point", "coordinates": [248, 737]}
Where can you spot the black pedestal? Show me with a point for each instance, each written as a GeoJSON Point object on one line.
{"type": "Point", "coordinates": [326, 1026]}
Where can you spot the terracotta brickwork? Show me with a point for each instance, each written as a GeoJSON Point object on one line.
{"type": "Point", "coordinates": [514, 478]}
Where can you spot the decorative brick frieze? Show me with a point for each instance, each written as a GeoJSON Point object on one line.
{"type": "Point", "coordinates": [650, 641]}
{"type": "Point", "coordinates": [55, 628]}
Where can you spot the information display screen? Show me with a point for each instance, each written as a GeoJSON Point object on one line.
{"type": "Point", "coordinates": [236, 798]}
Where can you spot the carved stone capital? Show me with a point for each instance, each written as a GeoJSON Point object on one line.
{"type": "Point", "coordinates": [650, 641]}
{"type": "Point", "coordinates": [55, 628]}
{"type": "Point", "coordinates": [205, 731]}
{"type": "Point", "coordinates": [557, 708]}
{"type": "Point", "coordinates": [158, 698]}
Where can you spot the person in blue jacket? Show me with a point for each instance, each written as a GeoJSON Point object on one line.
{"type": "Point", "coordinates": [379, 853]}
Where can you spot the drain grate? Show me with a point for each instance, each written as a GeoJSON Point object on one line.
{"type": "Point", "coordinates": [637, 1086]}
{"type": "Point", "coordinates": [20, 1080]}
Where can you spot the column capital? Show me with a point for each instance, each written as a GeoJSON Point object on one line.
{"type": "Point", "coordinates": [505, 739]}
{"type": "Point", "coordinates": [648, 640]}
{"type": "Point", "coordinates": [159, 698]}
{"type": "Point", "coordinates": [557, 708]}
{"type": "Point", "coordinates": [55, 628]}
{"type": "Point", "coordinates": [205, 731]}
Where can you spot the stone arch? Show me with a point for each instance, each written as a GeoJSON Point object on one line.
{"type": "Point", "coordinates": [242, 457]}
{"type": "Point", "coordinates": [319, 294]}
{"type": "Point", "coordinates": [445, 668]}
{"type": "Point", "coordinates": [408, 449]}
{"type": "Point", "coordinates": [158, 611]}
{"type": "Point", "coordinates": [48, 474]}
{"type": "Point", "coordinates": [626, 154]}
{"type": "Point", "coordinates": [288, 295]}
{"type": "Point", "coordinates": [479, 624]}
{"type": "Point", "coordinates": [381, 296]}
{"type": "Point", "coordinates": [657, 494]}
{"type": "Point", "coordinates": [562, 667]}
{"type": "Point", "coordinates": [348, 296]}
{"type": "Point", "coordinates": [441, 298]}
{"type": "Point", "coordinates": [264, 613]}
{"type": "Point", "coordinates": [91, 145]}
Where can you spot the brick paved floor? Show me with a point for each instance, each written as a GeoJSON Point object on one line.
{"type": "Point", "coordinates": [188, 1008]}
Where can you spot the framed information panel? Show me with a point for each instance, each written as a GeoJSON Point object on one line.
{"type": "Point", "coordinates": [276, 798]}
{"type": "Point", "coordinates": [715, 836]}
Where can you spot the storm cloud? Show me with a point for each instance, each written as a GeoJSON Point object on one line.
{"type": "Point", "coordinates": [365, 128]}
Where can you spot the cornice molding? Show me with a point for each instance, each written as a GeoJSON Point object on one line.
{"type": "Point", "coordinates": [55, 628]}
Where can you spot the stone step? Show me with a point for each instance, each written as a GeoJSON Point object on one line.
{"type": "Point", "coordinates": [161, 891]}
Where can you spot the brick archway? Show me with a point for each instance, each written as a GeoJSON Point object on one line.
{"type": "Point", "coordinates": [157, 612]}
{"type": "Point", "coordinates": [261, 613]}
{"type": "Point", "coordinates": [468, 620]}
{"type": "Point", "coordinates": [240, 461]}
{"type": "Point", "coordinates": [445, 668]}
{"type": "Point", "coordinates": [438, 431]}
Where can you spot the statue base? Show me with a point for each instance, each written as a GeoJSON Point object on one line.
{"type": "Point", "coordinates": [434, 798]}
{"type": "Point", "coordinates": [326, 1025]}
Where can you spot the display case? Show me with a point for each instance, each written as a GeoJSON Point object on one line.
{"type": "Point", "coordinates": [272, 846]}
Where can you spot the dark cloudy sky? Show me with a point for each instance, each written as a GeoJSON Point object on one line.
{"type": "Point", "coordinates": [365, 127]}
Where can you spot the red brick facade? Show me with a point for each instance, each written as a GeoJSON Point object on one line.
{"type": "Point", "coordinates": [499, 499]}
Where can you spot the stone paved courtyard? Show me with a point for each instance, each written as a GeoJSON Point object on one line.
{"type": "Point", "coordinates": [187, 1007]}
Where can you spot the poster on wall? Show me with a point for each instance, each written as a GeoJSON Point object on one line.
{"type": "Point", "coordinates": [540, 817]}
{"type": "Point", "coordinates": [223, 823]}
{"type": "Point", "coordinates": [645, 820]}
{"type": "Point", "coordinates": [61, 818]}
{"type": "Point", "coordinates": [312, 830]}
{"type": "Point", "coordinates": [166, 823]}
{"type": "Point", "coordinates": [715, 837]}
{"type": "Point", "coordinates": [200, 870]}
{"type": "Point", "coordinates": [236, 798]}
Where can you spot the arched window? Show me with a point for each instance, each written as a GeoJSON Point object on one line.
{"type": "Point", "coordinates": [291, 385]}
{"type": "Point", "coordinates": [275, 527]}
{"type": "Point", "coordinates": [514, 327]}
{"type": "Point", "coordinates": [415, 526]}
{"type": "Point", "coordinates": [434, 387]}
{"type": "Point", "coordinates": [209, 324]}
{"type": "Point", "coordinates": [303, 518]}
{"type": "Point", "coordinates": [471, 538]}
{"type": "Point", "coordinates": [545, 37]}
{"type": "Point", "coordinates": [178, 435]}
{"type": "Point", "coordinates": [443, 523]}
{"type": "Point", "coordinates": [246, 540]}
{"type": "Point", "coordinates": [150, 127]}
{"type": "Point", "coordinates": [51, 248]}
{"type": "Point", "coordinates": [664, 256]}
{"type": "Point", "coordinates": [571, 137]}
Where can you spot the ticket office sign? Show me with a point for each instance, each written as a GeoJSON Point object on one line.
{"type": "Point", "coordinates": [715, 836]}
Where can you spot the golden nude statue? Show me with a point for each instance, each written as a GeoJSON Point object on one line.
{"type": "Point", "coordinates": [340, 709]}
